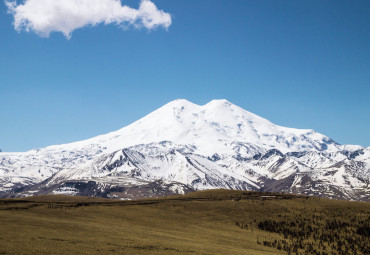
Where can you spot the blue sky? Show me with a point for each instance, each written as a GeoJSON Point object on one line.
{"type": "Point", "coordinates": [302, 64]}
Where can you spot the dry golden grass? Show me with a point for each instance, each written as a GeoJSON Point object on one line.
{"type": "Point", "coordinates": [198, 223]}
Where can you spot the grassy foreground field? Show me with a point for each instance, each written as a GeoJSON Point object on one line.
{"type": "Point", "coordinates": [207, 222]}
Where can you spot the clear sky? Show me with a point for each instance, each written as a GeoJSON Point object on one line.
{"type": "Point", "coordinates": [301, 64]}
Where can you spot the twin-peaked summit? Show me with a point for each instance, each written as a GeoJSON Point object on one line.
{"type": "Point", "coordinates": [183, 146]}
{"type": "Point", "coordinates": [216, 127]}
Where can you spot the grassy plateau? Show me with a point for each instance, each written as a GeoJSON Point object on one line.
{"type": "Point", "coordinates": [205, 222]}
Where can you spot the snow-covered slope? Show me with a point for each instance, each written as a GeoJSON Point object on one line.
{"type": "Point", "coordinates": [213, 128]}
{"type": "Point", "coordinates": [217, 145]}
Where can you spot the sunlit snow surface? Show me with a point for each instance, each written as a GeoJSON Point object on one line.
{"type": "Point", "coordinates": [217, 145]}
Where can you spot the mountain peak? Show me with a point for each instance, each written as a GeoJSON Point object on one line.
{"type": "Point", "coordinates": [219, 102]}
{"type": "Point", "coordinates": [217, 144]}
{"type": "Point", "coordinates": [211, 128]}
{"type": "Point", "coordinates": [179, 103]}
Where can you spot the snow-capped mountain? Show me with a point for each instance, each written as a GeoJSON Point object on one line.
{"type": "Point", "coordinates": [183, 146]}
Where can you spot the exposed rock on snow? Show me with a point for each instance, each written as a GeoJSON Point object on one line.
{"type": "Point", "coordinates": [183, 146]}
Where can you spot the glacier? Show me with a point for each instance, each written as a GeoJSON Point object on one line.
{"type": "Point", "coordinates": [182, 147]}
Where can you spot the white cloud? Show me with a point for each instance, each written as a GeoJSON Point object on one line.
{"type": "Point", "coordinates": [46, 16]}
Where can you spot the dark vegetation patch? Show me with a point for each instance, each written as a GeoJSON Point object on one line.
{"type": "Point", "coordinates": [314, 233]}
